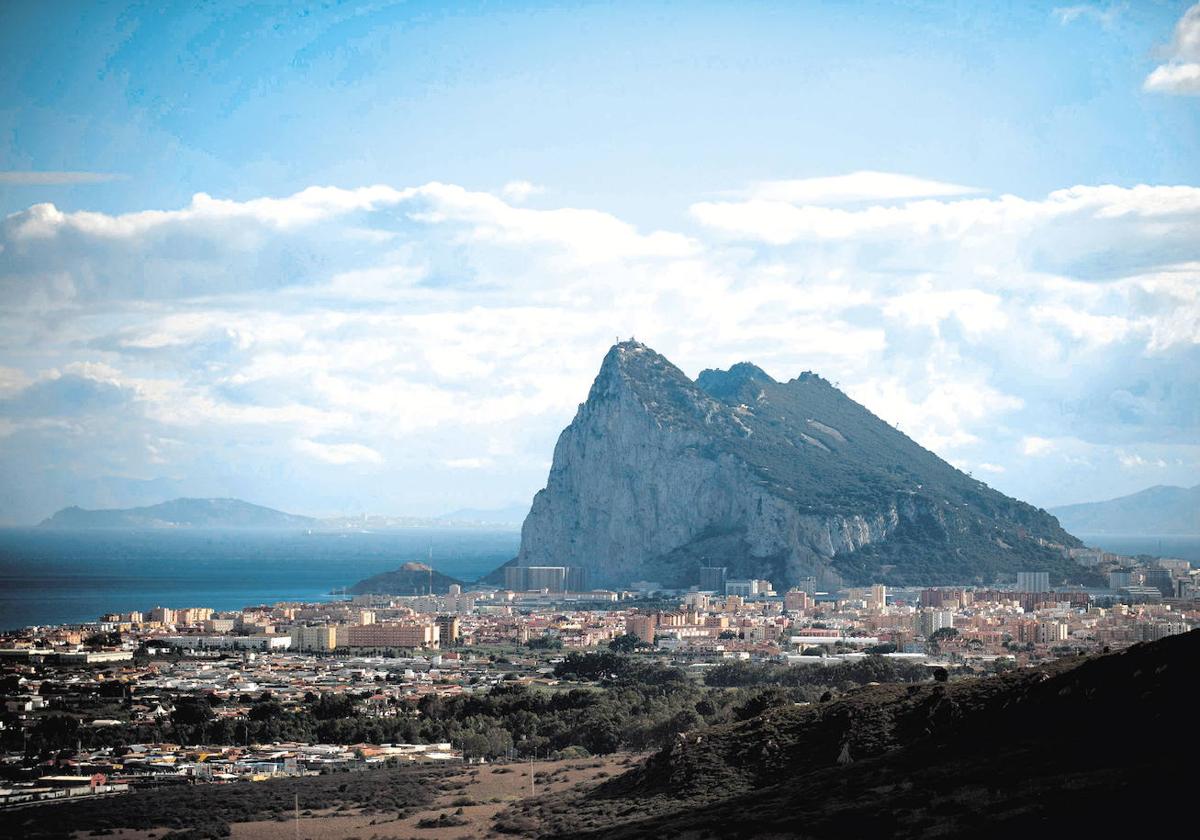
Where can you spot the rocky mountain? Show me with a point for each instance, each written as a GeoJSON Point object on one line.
{"type": "Point", "coordinates": [1156, 511]}
{"type": "Point", "coordinates": [658, 475]}
{"type": "Point", "coordinates": [179, 513]}
{"type": "Point", "coordinates": [409, 579]}
{"type": "Point", "coordinates": [1023, 754]}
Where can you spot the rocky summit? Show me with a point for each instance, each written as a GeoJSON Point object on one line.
{"type": "Point", "coordinates": [658, 476]}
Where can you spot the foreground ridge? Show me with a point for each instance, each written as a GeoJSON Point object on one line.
{"type": "Point", "coordinates": [1029, 751]}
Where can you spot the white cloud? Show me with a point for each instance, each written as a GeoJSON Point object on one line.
{"type": "Point", "coordinates": [1177, 77]}
{"type": "Point", "coordinates": [12, 379]}
{"type": "Point", "coordinates": [937, 412]}
{"type": "Point", "coordinates": [339, 453]}
{"type": "Point", "coordinates": [978, 312]}
{"type": "Point", "coordinates": [995, 469]}
{"type": "Point", "coordinates": [1180, 74]}
{"type": "Point", "coordinates": [1131, 460]}
{"type": "Point", "coordinates": [978, 225]}
{"type": "Point", "coordinates": [519, 191]}
{"type": "Point", "coordinates": [1105, 16]}
{"type": "Point", "coordinates": [855, 187]}
{"type": "Point", "coordinates": [1033, 445]}
{"type": "Point", "coordinates": [1095, 329]}
{"type": "Point", "coordinates": [408, 325]}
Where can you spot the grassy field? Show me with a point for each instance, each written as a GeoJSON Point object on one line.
{"type": "Point", "coordinates": [421, 801]}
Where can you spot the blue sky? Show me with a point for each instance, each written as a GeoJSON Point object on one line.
{"type": "Point", "coordinates": [982, 221]}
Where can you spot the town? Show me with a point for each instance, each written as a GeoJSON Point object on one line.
{"type": "Point", "coordinates": [186, 694]}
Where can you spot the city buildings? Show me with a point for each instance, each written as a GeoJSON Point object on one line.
{"type": "Point", "coordinates": [393, 635]}
{"type": "Point", "coordinates": [1033, 581]}
{"type": "Point", "coordinates": [391, 651]}
{"type": "Point", "coordinates": [712, 579]}
{"type": "Point", "coordinates": [549, 578]}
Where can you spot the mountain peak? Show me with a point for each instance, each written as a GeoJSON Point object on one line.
{"type": "Point", "coordinates": [631, 355]}
{"type": "Point", "coordinates": [726, 384]}
{"type": "Point", "coordinates": [658, 476]}
{"type": "Point", "coordinates": [632, 366]}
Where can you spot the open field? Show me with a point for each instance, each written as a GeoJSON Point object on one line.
{"type": "Point", "coordinates": [464, 809]}
{"type": "Point", "coordinates": [434, 802]}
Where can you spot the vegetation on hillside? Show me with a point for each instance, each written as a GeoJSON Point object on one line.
{"type": "Point", "coordinates": [1026, 753]}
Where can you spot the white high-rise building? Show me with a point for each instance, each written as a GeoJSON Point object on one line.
{"type": "Point", "coordinates": [1033, 581]}
{"type": "Point", "coordinates": [878, 596]}
{"type": "Point", "coordinates": [930, 621]}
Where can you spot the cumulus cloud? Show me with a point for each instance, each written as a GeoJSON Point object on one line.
{"type": "Point", "coordinates": [277, 348]}
{"type": "Point", "coordinates": [519, 191]}
{"type": "Point", "coordinates": [855, 187]}
{"type": "Point", "coordinates": [1077, 219]}
{"type": "Point", "coordinates": [1132, 460]}
{"type": "Point", "coordinates": [1033, 445]}
{"type": "Point", "coordinates": [1180, 73]}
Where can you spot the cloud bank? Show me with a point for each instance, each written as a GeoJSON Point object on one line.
{"type": "Point", "coordinates": [413, 349]}
{"type": "Point", "coordinates": [1180, 74]}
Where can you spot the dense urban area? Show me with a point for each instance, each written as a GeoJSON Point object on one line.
{"type": "Point", "coordinates": [185, 695]}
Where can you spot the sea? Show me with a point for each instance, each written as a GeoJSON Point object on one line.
{"type": "Point", "coordinates": [1178, 547]}
{"type": "Point", "coordinates": [57, 577]}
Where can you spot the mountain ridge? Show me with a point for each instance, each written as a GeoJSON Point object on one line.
{"type": "Point", "coordinates": [218, 513]}
{"type": "Point", "coordinates": [1161, 510]}
{"type": "Point", "coordinates": [658, 475]}
{"type": "Point", "coordinates": [1017, 754]}
{"type": "Point", "coordinates": [178, 513]}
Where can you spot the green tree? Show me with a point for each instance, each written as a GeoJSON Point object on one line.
{"type": "Point", "coordinates": [192, 711]}
{"type": "Point", "coordinates": [545, 642]}
{"type": "Point", "coordinates": [626, 643]}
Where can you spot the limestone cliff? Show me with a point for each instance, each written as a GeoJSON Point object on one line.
{"type": "Point", "coordinates": [658, 475]}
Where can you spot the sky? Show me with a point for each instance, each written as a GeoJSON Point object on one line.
{"type": "Point", "coordinates": [345, 258]}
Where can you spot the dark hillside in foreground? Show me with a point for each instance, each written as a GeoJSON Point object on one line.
{"type": "Point", "coordinates": [1082, 744]}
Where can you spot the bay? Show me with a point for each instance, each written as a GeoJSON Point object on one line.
{"type": "Point", "coordinates": [58, 577]}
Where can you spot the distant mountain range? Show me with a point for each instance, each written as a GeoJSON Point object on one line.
{"type": "Point", "coordinates": [179, 513]}
{"type": "Point", "coordinates": [510, 516]}
{"type": "Point", "coordinates": [1155, 512]}
{"type": "Point", "coordinates": [658, 476]}
{"type": "Point", "coordinates": [235, 514]}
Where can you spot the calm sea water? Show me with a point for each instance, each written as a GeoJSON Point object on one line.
{"type": "Point", "coordinates": [1182, 548]}
{"type": "Point", "coordinates": [51, 577]}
